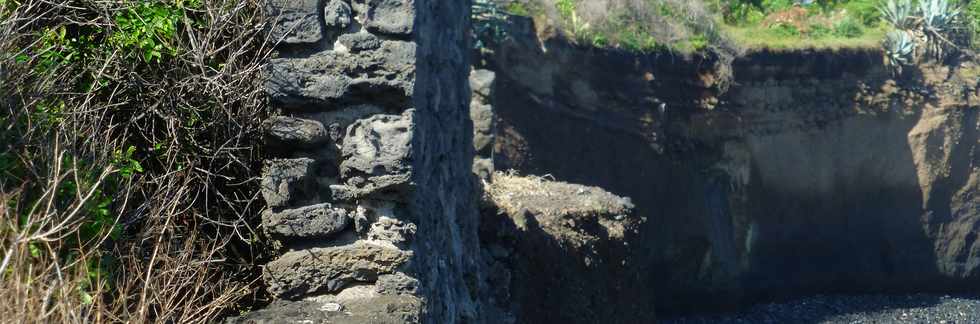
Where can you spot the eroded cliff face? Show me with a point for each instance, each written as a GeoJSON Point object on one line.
{"type": "Point", "coordinates": [809, 171]}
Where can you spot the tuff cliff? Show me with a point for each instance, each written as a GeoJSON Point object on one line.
{"type": "Point", "coordinates": [806, 172]}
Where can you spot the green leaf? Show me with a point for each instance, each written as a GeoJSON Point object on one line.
{"type": "Point", "coordinates": [34, 250]}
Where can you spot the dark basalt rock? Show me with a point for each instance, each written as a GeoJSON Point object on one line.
{"type": "Point", "coordinates": [303, 273]}
{"type": "Point", "coordinates": [296, 21]}
{"type": "Point", "coordinates": [287, 182]}
{"type": "Point", "coordinates": [316, 221]}
{"type": "Point", "coordinates": [296, 131]}
{"type": "Point", "coordinates": [393, 17]}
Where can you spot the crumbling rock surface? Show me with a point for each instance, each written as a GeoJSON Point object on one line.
{"type": "Point", "coordinates": [559, 252]}
{"type": "Point", "coordinates": [377, 152]}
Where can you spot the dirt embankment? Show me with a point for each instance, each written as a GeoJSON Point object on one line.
{"type": "Point", "coordinates": [815, 172]}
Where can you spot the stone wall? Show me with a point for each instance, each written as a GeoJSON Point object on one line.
{"type": "Point", "coordinates": [370, 192]}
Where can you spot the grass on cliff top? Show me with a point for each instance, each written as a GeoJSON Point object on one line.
{"type": "Point", "coordinates": [758, 37]}
{"type": "Point", "coordinates": [691, 26]}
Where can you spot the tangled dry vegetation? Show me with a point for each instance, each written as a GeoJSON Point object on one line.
{"type": "Point", "coordinates": [128, 158]}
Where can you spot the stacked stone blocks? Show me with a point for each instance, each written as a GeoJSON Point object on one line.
{"type": "Point", "coordinates": [338, 187]}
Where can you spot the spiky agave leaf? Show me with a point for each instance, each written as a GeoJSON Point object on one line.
{"type": "Point", "coordinates": [938, 15]}
{"type": "Point", "coordinates": [899, 49]}
{"type": "Point", "coordinates": [898, 13]}
{"type": "Point", "coordinates": [939, 19]}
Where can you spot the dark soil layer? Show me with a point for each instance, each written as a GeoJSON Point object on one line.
{"type": "Point", "coordinates": [917, 308]}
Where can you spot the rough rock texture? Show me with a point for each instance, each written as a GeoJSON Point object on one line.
{"type": "Point", "coordinates": [373, 310]}
{"type": "Point", "coordinates": [395, 17]}
{"type": "Point", "coordinates": [317, 221]}
{"type": "Point", "coordinates": [484, 130]}
{"type": "Point", "coordinates": [816, 172]}
{"type": "Point", "coordinates": [559, 252]}
{"type": "Point", "coordinates": [371, 193]}
{"type": "Point", "coordinates": [384, 76]}
{"type": "Point", "coordinates": [287, 182]}
{"type": "Point", "coordinates": [296, 131]}
{"type": "Point", "coordinates": [295, 21]}
{"type": "Point", "coordinates": [306, 272]}
{"type": "Point", "coordinates": [377, 153]}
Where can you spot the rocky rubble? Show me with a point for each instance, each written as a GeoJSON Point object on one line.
{"type": "Point", "coordinates": [852, 309]}
{"type": "Point", "coordinates": [559, 252]}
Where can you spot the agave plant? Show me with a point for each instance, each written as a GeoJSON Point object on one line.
{"type": "Point", "coordinates": [939, 18]}
{"type": "Point", "coordinates": [899, 50]}
{"type": "Point", "coordinates": [898, 13]}
{"type": "Point", "coordinates": [938, 15]}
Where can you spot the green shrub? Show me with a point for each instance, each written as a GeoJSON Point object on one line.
{"type": "Point", "coordinates": [635, 39]}
{"type": "Point", "coordinates": [784, 30]}
{"type": "Point", "coordinates": [848, 27]}
{"type": "Point", "coordinates": [518, 8]}
{"type": "Point", "coordinates": [972, 16]}
{"type": "Point", "coordinates": [820, 31]}
{"type": "Point", "coordinates": [865, 11]}
{"type": "Point", "coordinates": [130, 132]}
{"type": "Point", "coordinates": [566, 8]}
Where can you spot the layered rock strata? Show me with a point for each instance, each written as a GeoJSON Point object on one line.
{"type": "Point", "coordinates": [817, 171]}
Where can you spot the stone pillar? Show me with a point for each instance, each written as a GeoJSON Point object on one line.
{"type": "Point", "coordinates": [371, 191]}
{"type": "Point", "coordinates": [484, 127]}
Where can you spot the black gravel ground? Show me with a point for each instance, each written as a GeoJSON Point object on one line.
{"type": "Point", "coordinates": [854, 309]}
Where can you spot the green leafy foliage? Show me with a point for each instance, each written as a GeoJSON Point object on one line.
{"type": "Point", "coordinates": [898, 13]}
{"type": "Point", "coordinates": [865, 11]}
{"type": "Point", "coordinates": [148, 28]}
{"type": "Point", "coordinates": [972, 19]}
{"type": "Point", "coordinates": [518, 9]}
{"type": "Point", "coordinates": [848, 27]}
{"type": "Point", "coordinates": [934, 26]}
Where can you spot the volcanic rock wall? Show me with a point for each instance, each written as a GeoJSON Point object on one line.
{"type": "Point", "coordinates": [371, 192]}
{"type": "Point", "coordinates": [815, 172]}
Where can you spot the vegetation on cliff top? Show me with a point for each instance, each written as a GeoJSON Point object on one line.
{"type": "Point", "coordinates": [128, 155]}
{"type": "Point", "coordinates": [647, 25]}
